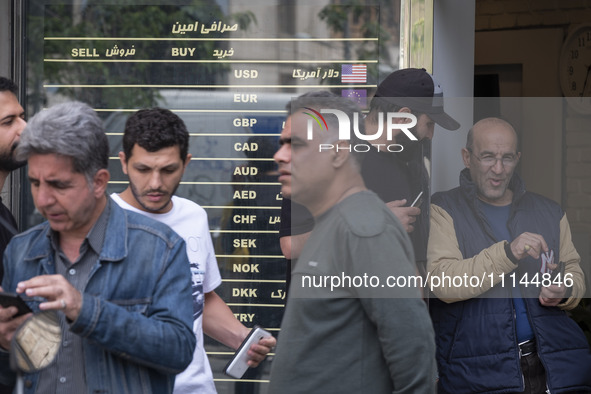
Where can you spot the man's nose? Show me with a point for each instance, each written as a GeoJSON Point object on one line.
{"type": "Point", "coordinates": [21, 124]}
{"type": "Point", "coordinates": [155, 180]}
{"type": "Point", "coordinates": [45, 196]}
{"type": "Point", "coordinates": [498, 167]}
{"type": "Point", "coordinates": [282, 155]}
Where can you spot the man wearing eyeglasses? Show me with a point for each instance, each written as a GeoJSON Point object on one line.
{"type": "Point", "coordinates": [494, 262]}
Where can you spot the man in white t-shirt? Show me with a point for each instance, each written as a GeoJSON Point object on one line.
{"type": "Point", "coordinates": [154, 157]}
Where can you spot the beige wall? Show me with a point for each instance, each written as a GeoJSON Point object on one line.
{"type": "Point", "coordinates": [513, 14]}
{"type": "Point", "coordinates": [536, 51]}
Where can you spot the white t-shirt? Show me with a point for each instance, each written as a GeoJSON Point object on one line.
{"type": "Point", "coordinates": [189, 220]}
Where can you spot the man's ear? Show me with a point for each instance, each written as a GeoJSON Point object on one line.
{"type": "Point", "coordinates": [466, 157]}
{"type": "Point", "coordinates": [123, 161]}
{"type": "Point", "coordinates": [341, 153]}
{"type": "Point", "coordinates": [405, 110]}
{"type": "Point", "coordinates": [187, 161]}
{"type": "Point", "coordinates": [101, 180]}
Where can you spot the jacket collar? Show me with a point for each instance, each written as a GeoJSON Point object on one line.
{"type": "Point", "coordinates": [114, 246]}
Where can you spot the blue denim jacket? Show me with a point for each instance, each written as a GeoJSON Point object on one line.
{"type": "Point", "coordinates": [137, 314]}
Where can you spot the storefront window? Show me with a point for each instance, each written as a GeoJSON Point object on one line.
{"type": "Point", "coordinates": [228, 68]}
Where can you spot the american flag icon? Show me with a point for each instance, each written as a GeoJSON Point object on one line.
{"type": "Point", "coordinates": [354, 73]}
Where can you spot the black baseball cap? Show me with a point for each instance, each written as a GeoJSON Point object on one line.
{"type": "Point", "coordinates": [416, 89]}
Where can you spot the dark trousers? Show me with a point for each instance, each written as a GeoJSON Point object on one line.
{"type": "Point", "coordinates": [533, 374]}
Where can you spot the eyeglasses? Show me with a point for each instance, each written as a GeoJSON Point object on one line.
{"type": "Point", "coordinates": [508, 161]}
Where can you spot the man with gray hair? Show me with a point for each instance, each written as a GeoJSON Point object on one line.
{"type": "Point", "coordinates": [120, 281]}
{"type": "Point", "coordinates": [342, 331]}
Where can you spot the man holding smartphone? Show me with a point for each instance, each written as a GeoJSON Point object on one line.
{"type": "Point", "coordinates": [154, 157]}
{"type": "Point", "coordinates": [400, 173]}
{"type": "Point", "coordinates": [106, 271]}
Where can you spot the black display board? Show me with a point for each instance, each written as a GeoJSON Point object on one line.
{"type": "Point", "coordinates": [228, 68]}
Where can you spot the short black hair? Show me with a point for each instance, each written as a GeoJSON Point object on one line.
{"type": "Point", "coordinates": [154, 129]}
{"type": "Point", "coordinates": [7, 85]}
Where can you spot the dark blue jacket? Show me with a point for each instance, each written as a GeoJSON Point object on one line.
{"type": "Point", "coordinates": [476, 339]}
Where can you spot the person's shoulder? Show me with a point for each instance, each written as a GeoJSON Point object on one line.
{"type": "Point", "coordinates": [4, 211]}
{"type": "Point", "coordinates": [447, 194]}
{"type": "Point", "coordinates": [187, 206]}
{"type": "Point", "coordinates": [33, 232]}
{"type": "Point", "coordinates": [135, 218]}
{"type": "Point", "coordinates": [138, 222]}
{"type": "Point", "coordinates": [535, 201]}
{"type": "Point", "coordinates": [34, 238]}
{"type": "Point", "coordinates": [186, 203]}
{"type": "Point", "coordinates": [539, 198]}
{"type": "Point", "coordinates": [365, 214]}
{"type": "Point", "coordinates": [121, 202]}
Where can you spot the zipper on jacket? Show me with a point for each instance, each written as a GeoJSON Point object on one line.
{"type": "Point", "coordinates": [537, 343]}
{"type": "Point", "coordinates": [517, 344]}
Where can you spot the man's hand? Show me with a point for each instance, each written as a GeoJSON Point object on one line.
{"type": "Point", "coordinates": [552, 295]}
{"type": "Point", "coordinates": [259, 351]}
{"type": "Point", "coordinates": [528, 244]}
{"type": "Point", "coordinates": [60, 294]}
{"type": "Point", "coordinates": [9, 324]}
{"type": "Point", "coordinates": [406, 215]}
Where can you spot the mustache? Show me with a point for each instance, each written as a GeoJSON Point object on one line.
{"type": "Point", "coordinates": [160, 191]}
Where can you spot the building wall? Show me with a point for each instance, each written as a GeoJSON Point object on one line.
{"type": "Point", "coordinates": [514, 14]}
{"type": "Point", "coordinates": [453, 67]}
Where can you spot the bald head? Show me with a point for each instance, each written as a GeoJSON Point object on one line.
{"type": "Point", "coordinates": [487, 124]}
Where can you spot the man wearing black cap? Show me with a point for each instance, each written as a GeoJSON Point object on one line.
{"type": "Point", "coordinates": [400, 169]}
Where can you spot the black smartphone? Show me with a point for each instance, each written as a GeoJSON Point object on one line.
{"type": "Point", "coordinates": [13, 299]}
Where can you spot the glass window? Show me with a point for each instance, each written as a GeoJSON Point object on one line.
{"type": "Point", "coordinates": [228, 68]}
